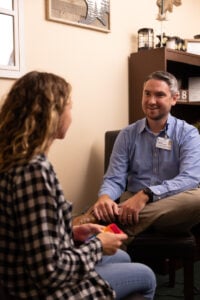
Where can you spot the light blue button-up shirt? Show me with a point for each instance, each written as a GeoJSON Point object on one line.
{"type": "Point", "coordinates": [137, 162]}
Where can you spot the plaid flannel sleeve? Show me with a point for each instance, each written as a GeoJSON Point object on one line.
{"type": "Point", "coordinates": [44, 220]}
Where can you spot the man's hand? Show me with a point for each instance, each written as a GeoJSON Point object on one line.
{"type": "Point", "coordinates": [130, 209]}
{"type": "Point", "coordinates": [106, 209]}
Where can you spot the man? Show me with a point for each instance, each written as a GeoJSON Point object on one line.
{"type": "Point", "coordinates": [156, 160]}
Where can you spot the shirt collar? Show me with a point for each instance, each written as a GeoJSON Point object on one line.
{"type": "Point", "coordinates": [142, 125]}
{"type": "Point", "coordinates": [169, 125]}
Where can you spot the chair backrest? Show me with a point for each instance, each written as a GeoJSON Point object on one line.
{"type": "Point", "coordinates": [110, 137]}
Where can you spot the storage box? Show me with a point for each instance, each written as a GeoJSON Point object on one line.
{"type": "Point", "coordinates": [194, 89]}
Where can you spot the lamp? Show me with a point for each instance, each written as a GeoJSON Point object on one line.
{"type": "Point", "coordinates": [145, 38]}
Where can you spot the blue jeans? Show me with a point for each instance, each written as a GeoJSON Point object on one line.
{"type": "Point", "coordinates": [127, 278]}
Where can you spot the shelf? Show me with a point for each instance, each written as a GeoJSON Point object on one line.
{"type": "Point", "coordinates": [181, 64]}
{"type": "Point", "coordinates": [181, 56]}
{"type": "Point", "coordinates": [170, 54]}
{"type": "Point", "coordinates": [188, 103]}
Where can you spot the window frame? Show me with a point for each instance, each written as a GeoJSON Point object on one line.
{"type": "Point", "coordinates": [17, 69]}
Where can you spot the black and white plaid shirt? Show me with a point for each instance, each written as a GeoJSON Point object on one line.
{"type": "Point", "coordinates": [38, 257]}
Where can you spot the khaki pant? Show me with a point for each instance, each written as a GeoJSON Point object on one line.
{"type": "Point", "coordinates": [176, 214]}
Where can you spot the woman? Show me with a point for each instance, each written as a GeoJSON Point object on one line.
{"type": "Point", "coordinates": [41, 255]}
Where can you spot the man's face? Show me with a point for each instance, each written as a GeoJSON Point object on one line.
{"type": "Point", "coordinates": [157, 99]}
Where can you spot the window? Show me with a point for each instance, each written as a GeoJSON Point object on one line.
{"type": "Point", "coordinates": [11, 52]}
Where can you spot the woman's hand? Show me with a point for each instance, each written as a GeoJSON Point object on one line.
{"type": "Point", "coordinates": [84, 231]}
{"type": "Point", "coordinates": [111, 242]}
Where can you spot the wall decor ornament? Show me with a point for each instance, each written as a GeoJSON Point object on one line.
{"type": "Point", "coordinates": [90, 14]}
{"type": "Point", "coordinates": [165, 6]}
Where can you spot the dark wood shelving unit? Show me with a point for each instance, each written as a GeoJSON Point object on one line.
{"type": "Point", "coordinates": [182, 64]}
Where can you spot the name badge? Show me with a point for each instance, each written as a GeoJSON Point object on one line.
{"type": "Point", "coordinates": [164, 143]}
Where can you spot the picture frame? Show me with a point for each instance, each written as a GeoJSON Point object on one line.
{"type": "Point", "coordinates": [91, 14]}
{"type": "Point", "coordinates": [193, 46]}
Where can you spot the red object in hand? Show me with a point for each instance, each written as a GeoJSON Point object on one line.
{"type": "Point", "coordinates": [113, 228]}
{"type": "Point", "coordinates": [110, 228]}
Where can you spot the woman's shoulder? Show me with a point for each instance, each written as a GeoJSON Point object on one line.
{"type": "Point", "coordinates": [39, 166]}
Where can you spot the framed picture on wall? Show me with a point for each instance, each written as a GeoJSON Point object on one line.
{"type": "Point", "coordinates": [90, 14]}
{"type": "Point", "coordinates": [193, 46]}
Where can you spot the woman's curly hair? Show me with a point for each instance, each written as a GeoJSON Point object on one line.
{"type": "Point", "coordinates": [29, 117]}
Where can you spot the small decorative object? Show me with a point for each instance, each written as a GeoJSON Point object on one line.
{"type": "Point", "coordinates": [181, 44]}
{"type": "Point", "coordinates": [90, 14]}
{"type": "Point", "coordinates": [176, 43]}
{"type": "Point", "coordinates": [171, 43]}
{"type": "Point", "coordinates": [162, 40]}
{"type": "Point", "coordinates": [183, 95]}
{"type": "Point", "coordinates": [145, 38]}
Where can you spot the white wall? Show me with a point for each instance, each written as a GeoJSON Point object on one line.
{"type": "Point", "coordinates": [96, 64]}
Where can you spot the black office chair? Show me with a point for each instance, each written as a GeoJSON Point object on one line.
{"type": "Point", "coordinates": [149, 247]}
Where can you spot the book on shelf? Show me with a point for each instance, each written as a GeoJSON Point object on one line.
{"type": "Point", "coordinates": [194, 89]}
